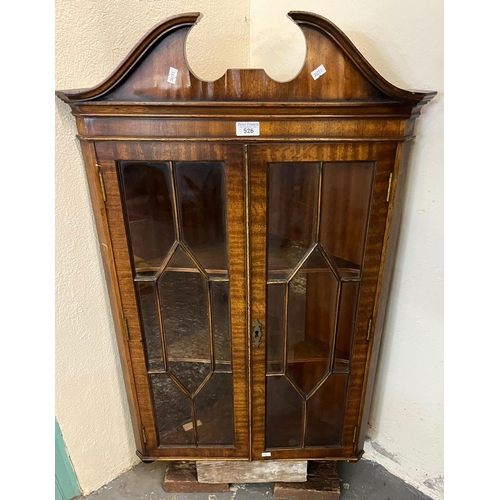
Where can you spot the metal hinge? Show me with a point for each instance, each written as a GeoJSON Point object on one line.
{"type": "Point", "coordinates": [127, 332]}
{"type": "Point", "coordinates": [144, 434]}
{"type": "Point", "coordinates": [354, 434]}
{"type": "Point", "coordinates": [389, 188]}
{"type": "Point", "coordinates": [101, 180]}
{"type": "Point", "coordinates": [369, 330]}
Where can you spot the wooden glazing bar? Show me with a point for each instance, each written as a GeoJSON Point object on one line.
{"type": "Point", "coordinates": [161, 327]}
{"type": "Point", "coordinates": [196, 262]}
{"type": "Point", "coordinates": [174, 201]}
{"type": "Point", "coordinates": [335, 331]}
{"type": "Point", "coordinates": [301, 262]}
{"type": "Point", "coordinates": [211, 325]}
{"type": "Point", "coordinates": [304, 423]}
{"type": "Point", "coordinates": [179, 384]}
{"type": "Point", "coordinates": [320, 197]}
{"type": "Point", "coordinates": [317, 386]}
{"type": "Point", "coordinates": [285, 327]}
{"type": "Point", "coordinates": [201, 386]}
{"type": "Point", "coordinates": [167, 259]}
{"type": "Point", "coordinates": [157, 272]}
{"type": "Point", "coordinates": [195, 425]}
{"type": "Point", "coordinates": [331, 263]}
{"type": "Point", "coordinates": [294, 385]}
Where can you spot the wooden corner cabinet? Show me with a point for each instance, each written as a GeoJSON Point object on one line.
{"type": "Point", "coordinates": [248, 230]}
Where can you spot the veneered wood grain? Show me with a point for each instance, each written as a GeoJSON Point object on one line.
{"type": "Point", "coordinates": [219, 109]}
{"type": "Point", "coordinates": [258, 248]}
{"type": "Point", "coordinates": [144, 74]}
{"type": "Point", "coordinates": [260, 156]}
{"type": "Point", "coordinates": [108, 154]}
{"type": "Point", "coordinates": [223, 129]}
{"type": "Point", "coordinates": [385, 275]}
{"type": "Point", "coordinates": [350, 114]}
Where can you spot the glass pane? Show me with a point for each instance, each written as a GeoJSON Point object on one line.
{"type": "Point", "coordinates": [312, 308]}
{"type": "Point", "coordinates": [148, 209]}
{"type": "Point", "coordinates": [189, 373]}
{"type": "Point", "coordinates": [201, 192]}
{"type": "Point", "coordinates": [220, 315]}
{"type": "Point", "coordinates": [345, 201]}
{"type": "Point", "coordinates": [150, 325]}
{"type": "Point", "coordinates": [345, 327]}
{"type": "Point", "coordinates": [172, 409]}
{"type": "Point", "coordinates": [275, 327]}
{"type": "Point", "coordinates": [283, 414]}
{"type": "Point", "coordinates": [184, 308]}
{"type": "Point", "coordinates": [325, 412]}
{"type": "Point", "coordinates": [214, 411]}
{"type": "Point", "coordinates": [192, 310]}
{"type": "Point", "coordinates": [292, 214]}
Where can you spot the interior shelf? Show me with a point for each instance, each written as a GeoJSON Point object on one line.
{"type": "Point", "coordinates": [282, 258]}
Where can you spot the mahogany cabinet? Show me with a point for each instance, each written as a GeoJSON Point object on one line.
{"type": "Point", "coordinates": [248, 229]}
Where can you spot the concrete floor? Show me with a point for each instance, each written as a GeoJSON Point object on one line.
{"type": "Point", "coordinates": [364, 480]}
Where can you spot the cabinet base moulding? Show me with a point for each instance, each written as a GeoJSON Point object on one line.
{"type": "Point", "coordinates": [260, 471]}
{"type": "Point", "coordinates": [180, 477]}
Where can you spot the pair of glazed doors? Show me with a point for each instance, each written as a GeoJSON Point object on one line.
{"type": "Point", "coordinates": [247, 278]}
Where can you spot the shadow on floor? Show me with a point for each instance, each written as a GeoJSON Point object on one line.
{"type": "Point", "coordinates": [364, 480]}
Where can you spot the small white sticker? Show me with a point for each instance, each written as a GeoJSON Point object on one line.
{"type": "Point", "coordinates": [172, 75]}
{"type": "Point", "coordinates": [266, 454]}
{"type": "Point", "coordinates": [247, 128]}
{"type": "Point", "coordinates": [189, 425]}
{"type": "Point", "coordinates": [320, 70]}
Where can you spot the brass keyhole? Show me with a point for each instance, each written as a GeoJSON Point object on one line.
{"type": "Point", "coordinates": [257, 333]}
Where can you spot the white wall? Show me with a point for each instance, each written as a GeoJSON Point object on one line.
{"type": "Point", "coordinates": [403, 40]}
{"type": "Point", "coordinates": [91, 39]}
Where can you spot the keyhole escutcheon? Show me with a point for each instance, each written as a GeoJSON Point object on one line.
{"type": "Point", "coordinates": [256, 333]}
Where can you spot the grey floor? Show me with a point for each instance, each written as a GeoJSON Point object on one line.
{"type": "Point", "coordinates": [361, 481]}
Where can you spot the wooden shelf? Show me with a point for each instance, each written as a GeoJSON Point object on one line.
{"type": "Point", "coordinates": [310, 350]}
{"type": "Point", "coordinates": [209, 256]}
{"type": "Point", "coordinates": [286, 257]}
{"type": "Point", "coordinates": [283, 258]}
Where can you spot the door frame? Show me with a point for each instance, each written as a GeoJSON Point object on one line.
{"type": "Point", "coordinates": [108, 154]}
{"type": "Point", "coordinates": [383, 155]}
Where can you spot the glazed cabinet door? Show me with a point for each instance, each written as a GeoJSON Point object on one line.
{"type": "Point", "coordinates": [317, 222]}
{"type": "Point", "coordinates": [175, 214]}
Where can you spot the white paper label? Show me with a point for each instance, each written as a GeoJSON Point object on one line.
{"type": "Point", "coordinates": [247, 128]}
{"type": "Point", "coordinates": [189, 425]}
{"type": "Point", "coordinates": [266, 454]}
{"type": "Point", "coordinates": [172, 75]}
{"type": "Point", "coordinates": [320, 70]}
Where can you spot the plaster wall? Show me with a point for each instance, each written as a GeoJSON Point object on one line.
{"type": "Point", "coordinates": [403, 41]}
{"type": "Point", "coordinates": [92, 38]}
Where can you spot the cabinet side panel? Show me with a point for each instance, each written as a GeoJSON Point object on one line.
{"type": "Point", "coordinates": [384, 282]}
{"type": "Point", "coordinates": [105, 246]}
